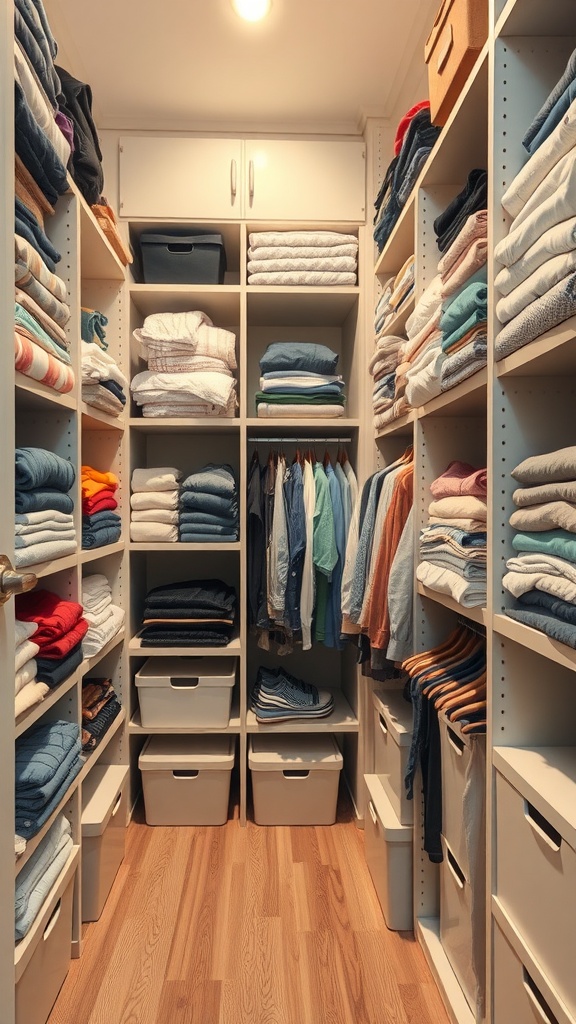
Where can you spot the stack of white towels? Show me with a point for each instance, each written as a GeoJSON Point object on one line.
{"type": "Point", "coordinates": [302, 258]}
{"type": "Point", "coordinates": [27, 691]}
{"type": "Point", "coordinates": [104, 618]}
{"type": "Point", "coordinates": [98, 366]}
{"type": "Point", "coordinates": [190, 364]}
{"type": "Point", "coordinates": [154, 505]}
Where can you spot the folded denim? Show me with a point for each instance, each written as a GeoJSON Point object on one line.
{"type": "Point", "coordinates": [212, 503]}
{"type": "Point", "coordinates": [187, 537]}
{"type": "Point", "coordinates": [43, 500]}
{"type": "Point", "coordinates": [211, 594]}
{"type": "Point", "coordinates": [34, 41]}
{"type": "Point", "coordinates": [27, 225]}
{"type": "Point", "coordinates": [298, 355]}
{"type": "Point", "coordinates": [537, 132]}
{"type": "Point", "coordinates": [38, 469]}
{"type": "Point", "coordinates": [537, 600]}
{"type": "Point", "coordinates": [206, 518]}
{"type": "Point", "coordinates": [212, 479]}
{"type": "Point", "coordinates": [36, 151]}
{"type": "Point", "coordinates": [98, 538]}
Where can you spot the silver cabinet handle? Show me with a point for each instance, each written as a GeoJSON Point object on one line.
{"type": "Point", "coordinates": [251, 181]}
{"type": "Point", "coordinates": [12, 581]}
{"type": "Point", "coordinates": [233, 179]}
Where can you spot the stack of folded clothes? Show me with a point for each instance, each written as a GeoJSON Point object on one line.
{"type": "Point", "coordinates": [277, 696]}
{"type": "Point", "coordinates": [104, 619]}
{"type": "Point", "coordinates": [100, 706]}
{"type": "Point", "coordinates": [47, 762]}
{"type": "Point", "coordinates": [302, 258]}
{"type": "Point", "coordinates": [453, 545]}
{"type": "Point", "coordinates": [299, 379]}
{"type": "Point", "coordinates": [195, 613]}
{"type": "Point", "coordinates": [397, 293]}
{"type": "Point", "coordinates": [39, 874]}
{"type": "Point", "coordinates": [154, 505]}
{"type": "Point", "coordinates": [537, 283]}
{"type": "Point", "coordinates": [103, 383]}
{"type": "Point", "coordinates": [422, 354]}
{"type": "Point", "coordinates": [472, 199]}
{"type": "Point", "coordinates": [190, 363]}
{"type": "Point", "coordinates": [542, 576]}
{"type": "Point", "coordinates": [464, 324]}
{"type": "Point", "coordinates": [59, 628]}
{"type": "Point", "coordinates": [415, 138]}
{"type": "Point", "coordinates": [101, 525]}
{"type": "Point", "coordinates": [44, 525]}
{"type": "Point", "coordinates": [209, 506]}
{"type": "Point", "coordinates": [28, 692]}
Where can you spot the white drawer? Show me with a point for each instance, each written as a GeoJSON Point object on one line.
{"type": "Point", "coordinates": [388, 846]}
{"type": "Point", "coordinates": [392, 740]}
{"type": "Point", "coordinates": [456, 922]}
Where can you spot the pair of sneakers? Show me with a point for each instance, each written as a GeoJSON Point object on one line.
{"type": "Point", "coordinates": [278, 696]}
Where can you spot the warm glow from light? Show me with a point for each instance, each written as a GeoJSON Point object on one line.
{"type": "Point", "coordinates": [252, 10]}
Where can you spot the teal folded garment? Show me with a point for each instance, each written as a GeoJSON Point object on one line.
{"type": "Point", "coordinates": [473, 296]}
{"type": "Point", "coordinates": [475, 320]}
{"type": "Point", "coordinates": [93, 324]}
{"type": "Point", "coordinates": [478, 277]}
{"type": "Point", "coordinates": [22, 318]}
{"type": "Point", "coordinates": [286, 399]}
{"type": "Point", "coordinates": [549, 542]}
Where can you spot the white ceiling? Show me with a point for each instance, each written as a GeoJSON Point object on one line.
{"type": "Point", "coordinates": [312, 65]}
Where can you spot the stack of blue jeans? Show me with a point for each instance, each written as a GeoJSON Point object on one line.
{"type": "Point", "coordinates": [209, 506]}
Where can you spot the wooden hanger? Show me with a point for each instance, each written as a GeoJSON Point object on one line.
{"type": "Point", "coordinates": [472, 727]}
{"type": "Point", "coordinates": [455, 636]}
{"type": "Point", "coordinates": [469, 709]}
{"type": "Point", "coordinates": [327, 461]}
{"type": "Point", "coordinates": [458, 700]}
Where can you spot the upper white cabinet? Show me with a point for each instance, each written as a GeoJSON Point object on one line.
{"type": "Point", "coordinates": [216, 179]}
{"type": "Point", "coordinates": [180, 178]}
{"type": "Point", "coordinates": [317, 181]}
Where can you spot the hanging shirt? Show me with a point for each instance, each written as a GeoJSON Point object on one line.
{"type": "Point", "coordinates": [256, 543]}
{"type": "Point", "coordinates": [345, 497]}
{"type": "Point", "coordinates": [353, 483]}
{"type": "Point", "coordinates": [296, 525]}
{"type": "Point", "coordinates": [333, 610]}
{"type": "Point", "coordinates": [307, 590]}
{"type": "Point", "coordinates": [279, 555]}
{"type": "Point", "coordinates": [325, 553]}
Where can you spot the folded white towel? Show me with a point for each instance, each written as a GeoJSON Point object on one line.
{"type": "Point", "coordinates": [46, 552]}
{"type": "Point", "coordinates": [303, 277]}
{"type": "Point", "coordinates": [26, 674]}
{"type": "Point", "coordinates": [468, 593]}
{"type": "Point", "coordinates": [265, 410]}
{"type": "Point", "coordinates": [98, 636]}
{"type": "Point", "coordinates": [343, 264]}
{"type": "Point", "coordinates": [24, 630]}
{"type": "Point", "coordinates": [154, 499]}
{"type": "Point", "coordinates": [167, 326]}
{"type": "Point", "coordinates": [159, 478]}
{"type": "Point", "coordinates": [154, 515]}
{"type": "Point", "coordinates": [210, 387]}
{"type": "Point", "coordinates": [45, 536]}
{"type": "Point", "coordinates": [25, 651]}
{"type": "Point", "coordinates": [304, 252]}
{"type": "Point", "coordinates": [99, 365]}
{"type": "Point", "coordinates": [26, 522]}
{"type": "Point", "coordinates": [153, 533]}
{"type": "Point", "coordinates": [257, 239]}
{"type": "Point", "coordinates": [313, 380]}
{"type": "Point", "coordinates": [95, 584]}
{"type": "Point", "coordinates": [30, 694]}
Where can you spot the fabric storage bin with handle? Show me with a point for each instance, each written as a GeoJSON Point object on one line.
{"type": "Point", "coordinates": [104, 815]}
{"type": "Point", "coordinates": [42, 958]}
{"type": "Point", "coordinates": [388, 847]}
{"type": "Point", "coordinates": [190, 258]}
{"type": "Point", "coordinates": [294, 779]}
{"type": "Point", "coordinates": [536, 855]}
{"type": "Point", "coordinates": [456, 921]}
{"type": "Point", "coordinates": [459, 32]}
{"type": "Point", "coordinates": [456, 756]}
{"type": "Point", "coordinates": [178, 692]}
{"type": "Point", "coordinates": [392, 739]}
{"type": "Point", "coordinates": [186, 779]}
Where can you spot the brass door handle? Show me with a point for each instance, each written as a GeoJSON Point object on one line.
{"type": "Point", "coordinates": [14, 582]}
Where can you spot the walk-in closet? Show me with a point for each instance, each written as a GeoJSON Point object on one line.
{"type": "Point", "coordinates": [288, 544]}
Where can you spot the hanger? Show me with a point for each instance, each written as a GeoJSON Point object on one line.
{"type": "Point", "coordinates": [474, 727]}
{"type": "Point", "coordinates": [454, 637]}
{"type": "Point", "coordinates": [469, 709]}
{"type": "Point", "coordinates": [472, 693]}
{"type": "Point", "coordinates": [342, 456]}
{"type": "Point", "coordinates": [327, 461]}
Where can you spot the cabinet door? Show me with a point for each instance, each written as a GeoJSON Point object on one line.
{"type": "Point", "coordinates": [180, 178]}
{"type": "Point", "coordinates": [316, 181]}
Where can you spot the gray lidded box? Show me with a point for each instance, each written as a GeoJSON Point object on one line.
{"type": "Point", "coordinates": [186, 779]}
{"type": "Point", "coordinates": [104, 816]}
{"type": "Point", "coordinates": [294, 779]}
{"type": "Point", "coordinates": [179, 692]}
{"type": "Point", "coordinates": [174, 258]}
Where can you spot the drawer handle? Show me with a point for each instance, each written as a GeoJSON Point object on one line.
{"type": "Point", "coordinates": [116, 807]}
{"type": "Point", "coordinates": [445, 51]}
{"type": "Point", "coordinates": [233, 179]}
{"type": "Point", "coordinates": [455, 868]}
{"type": "Point", "coordinates": [383, 725]}
{"type": "Point", "coordinates": [181, 773]}
{"type": "Point", "coordinates": [296, 773]}
{"type": "Point", "coordinates": [251, 181]}
{"type": "Point", "coordinates": [539, 824]}
{"type": "Point", "coordinates": [183, 683]}
{"type": "Point", "coordinates": [537, 999]}
{"type": "Point", "coordinates": [180, 247]}
{"type": "Point", "coordinates": [53, 919]}
{"type": "Point", "coordinates": [372, 812]}
{"type": "Point", "coordinates": [456, 741]}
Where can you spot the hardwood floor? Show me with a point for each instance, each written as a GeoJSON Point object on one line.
{"type": "Point", "coordinates": [247, 925]}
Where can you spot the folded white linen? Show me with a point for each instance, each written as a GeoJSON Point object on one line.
{"type": "Point", "coordinates": [556, 208]}
{"type": "Point", "coordinates": [156, 478]}
{"type": "Point", "coordinates": [215, 388]}
{"type": "Point", "coordinates": [45, 552]}
{"type": "Point", "coordinates": [209, 342]}
{"type": "Point", "coordinates": [154, 515]}
{"type": "Point", "coordinates": [304, 252]}
{"type": "Point", "coordinates": [99, 365]}
{"type": "Point", "coordinates": [98, 636]}
{"type": "Point", "coordinates": [458, 506]}
{"type": "Point", "coordinates": [342, 264]}
{"type": "Point", "coordinates": [518, 583]}
{"type": "Point", "coordinates": [423, 383]}
{"type": "Point", "coordinates": [257, 239]}
{"type": "Point", "coordinates": [24, 652]}
{"type": "Point", "coordinates": [557, 240]}
{"type": "Point", "coordinates": [153, 533]}
{"type": "Point", "coordinates": [95, 585]}
{"type": "Point", "coordinates": [25, 675]}
{"type": "Point", "coordinates": [29, 523]}
{"type": "Point", "coordinates": [536, 285]}
{"type": "Point", "coordinates": [303, 277]}
{"type": "Point", "coordinates": [24, 630]}
{"type": "Point", "coordinates": [164, 361]}
{"type": "Point", "coordinates": [468, 593]}
{"type": "Point", "coordinates": [95, 606]}
{"type": "Point", "coordinates": [314, 380]}
{"type": "Point", "coordinates": [539, 562]}
{"type": "Point", "coordinates": [551, 183]}
{"type": "Point", "coordinates": [97, 617]}
{"type": "Point", "coordinates": [165, 327]}
{"type": "Point", "coordinates": [159, 410]}
{"type": "Point", "coordinates": [561, 140]}
{"type": "Point", "coordinates": [26, 540]}
{"type": "Point", "coordinates": [425, 307]}
{"type": "Point", "coordinates": [30, 694]}
{"type": "Point", "coordinates": [154, 499]}
{"type": "Point", "coordinates": [265, 410]}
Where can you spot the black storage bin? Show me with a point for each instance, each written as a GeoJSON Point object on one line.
{"type": "Point", "coordinates": [182, 258]}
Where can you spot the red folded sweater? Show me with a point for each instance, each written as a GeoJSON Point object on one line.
{"type": "Point", "coordinates": [99, 502]}
{"type": "Point", "coordinates": [61, 647]}
{"type": "Point", "coordinates": [54, 614]}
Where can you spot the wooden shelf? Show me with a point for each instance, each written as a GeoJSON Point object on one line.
{"type": "Point", "coordinates": [220, 302]}
{"type": "Point", "coordinates": [97, 257]}
{"type": "Point", "coordinates": [402, 427]}
{"type": "Point", "coordinates": [475, 614]}
{"type": "Point", "coordinates": [533, 18]}
{"type": "Point", "coordinates": [89, 664]}
{"type": "Point", "coordinates": [92, 554]}
{"type": "Point", "coordinates": [32, 394]}
{"type": "Point", "coordinates": [95, 419]}
{"type": "Point", "coordinates": [552, 354]}
{"type": "Point", "coordinates": [535, 641]}
{"type": "Point", "coordinates": [35, 713]}
{"type": "Point", "coordinates": [135, 647]}
{"type": "Point", "coordinates": [295, 427]}
{"type": "Point", "coordinates": [400, 244]}
{"type": "Point", "coordinates": [183, 546]}
{"type": "Point", "coordinates": [428, 934]}
{"type": "Point", "coordinates": [467, 399]}
{"type": "Point", "coordinates": [53, 565]}
{"type": "Point", "coordinates": [342, 719]}
{"type": "Point", "coordinates": [173, 425]}
{"type": "Point", "coordinates": [305, 307]}
{"type": "Point", "coordinates": [93, 755]}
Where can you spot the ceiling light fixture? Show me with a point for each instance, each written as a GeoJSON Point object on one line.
{"type": "Point", "coordinates": [252, 10]}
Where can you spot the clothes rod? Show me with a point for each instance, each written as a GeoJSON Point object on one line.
{"type": "Point", "coordinates": [297, 439]}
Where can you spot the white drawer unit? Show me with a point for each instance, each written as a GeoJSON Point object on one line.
{"type": "Point", "coordinates": [456, 754]}
{"type": "Point", "coordinates": [186, 692]}
{"type": "Point", "coordinates": [456, 921]}
{"type": "Point", "coordinates": [388, 847]}
{"type": "Point", "coordinates": [392, 739]}
{"type": "Point", "coordinates": [536, 855]}
{"type": "Point", "coordinates": [104, 815]}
